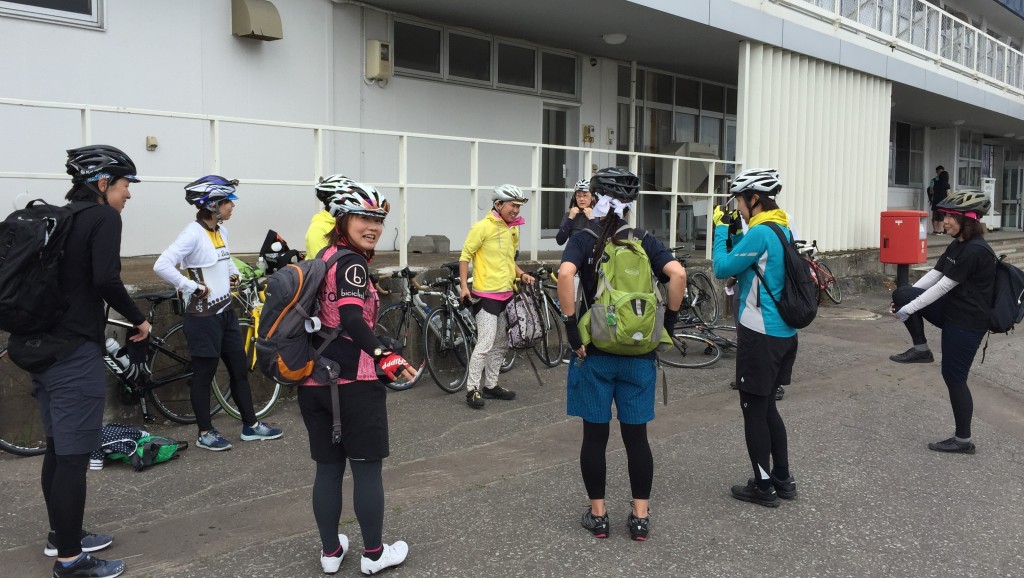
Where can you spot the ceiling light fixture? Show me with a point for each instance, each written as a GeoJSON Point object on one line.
{"type": "Point", "coordinates": [958, 122]}
{"type": "Point", "coordinates": [614, 38]}
{"type": "Point", "coordinates": [1009, 134]}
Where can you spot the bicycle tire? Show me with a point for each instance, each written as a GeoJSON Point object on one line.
{"type": "Point", "coordinates": [691, 351]}
{"type": "Point", "coordinates": [21, 430]}
{"type": "Point", "coordinates": [832, 288]}
{"type": "Point", "coordinates": [726, 334]}
{"type": "Point", "coordinates": [702, 297]}
{"type": "Point", "coordinates": [171, 378]}
{"type": "Point", "coordinates": [508, 362]}
{"type": "Point", "coordinates": [397, 322]}
{"type": "Point", "coordinates": [446, 350]}
{"type": "Point", "coordinates": [549, 348]}
{"type": "Point", "coordinates": [265, 391]}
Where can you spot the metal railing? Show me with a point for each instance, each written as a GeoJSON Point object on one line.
{"type": "Point", "coordinates": [317, 133]}
{"type": "Point", "coordinates": [920, 28]}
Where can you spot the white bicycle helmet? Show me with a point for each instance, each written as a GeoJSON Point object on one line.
{"type": "Point", "coordinates": [328, 187]}
{"type": "Point", "coordinates": [358, 199]}
{"type": "Point", "coordinates": [762, 181]}
{"type": "Point", "coordinates": [508, 193]}
{"type": "Point", "coordinates": [582, 185]}
{"type": "Point", "coordinates": [209, 191]}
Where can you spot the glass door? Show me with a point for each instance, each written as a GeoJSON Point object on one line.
{"type": "Point", "coordinates": [554, 171]}
{"type": "Point", "coordinates": [1013, 181]}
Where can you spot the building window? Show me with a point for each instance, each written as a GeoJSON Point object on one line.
{"type": "Point", "coordinates": [517, 66]}
{"type": "Point", "coordinates": [469, 57]}
{"type": "Point", "coordinates": [85, 13]}
{"type": "Point", "coordinates": [558, 73]}
{"type": "Point", "coordinates": [906, 158]}
{"type": "Point", "coordinates": [417, 48]}
{"type": "Point", "coordinates": [968, 169]}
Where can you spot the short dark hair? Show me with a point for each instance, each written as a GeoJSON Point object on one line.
{"type": "Point", "coordinates": [940, 168]}
{"type": "Point", "coordinates": [969, 228]}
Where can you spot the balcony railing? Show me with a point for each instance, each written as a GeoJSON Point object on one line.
{"type": "Point", "coordinates": [924, 30]}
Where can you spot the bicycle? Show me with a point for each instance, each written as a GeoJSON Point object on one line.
{"type": "Point", "coordinates": [700, 291]}
{"type": "Point", "coordinates": [403, 322]}
{"type": "Point", "coordinates": [265, 391]}
{"type": "Point", "coordinates": [449, 336]}
{"type": "Point", "coordinates": [551, 346]}
{"type": "Point", "coordinates": [696, 344]}
{"type": "Point", "coordinates": [21, 430]}
{"type": "Point", "coordinates": [827, 283]}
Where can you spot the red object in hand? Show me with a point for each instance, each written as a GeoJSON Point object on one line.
{"type": "Point", "coordinates": [392, 364]}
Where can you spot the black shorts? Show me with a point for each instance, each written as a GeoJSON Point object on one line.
{"type": "Point", "coordinates": [212, 335]}
{"type": "Point", "coordinates": [763, 362]}
{"type": "Point", "coordinates": [364, 421]}
{"type": "Point", "coordinates": [72, 395]}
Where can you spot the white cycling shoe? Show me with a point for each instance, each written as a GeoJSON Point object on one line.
{"type": "Point", "coordinates": [331, 563]}
{"type": "Point", "coordinates": [394, 554]}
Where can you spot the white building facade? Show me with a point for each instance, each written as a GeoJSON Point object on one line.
{"type": "Point", "coordinates": [854, 101]}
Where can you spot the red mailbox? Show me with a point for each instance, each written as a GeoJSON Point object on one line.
{"type": "Point", "coordinates": [904, 237]}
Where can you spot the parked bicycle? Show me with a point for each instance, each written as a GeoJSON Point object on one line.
{"type": "Point", "coordinates": [827, 283]}
{"type": "Point", "coordinates": [249, 296]}
{"type": "Point", "coordinates": [21, 430]}
{"type": "Point", "coordinates": [551, 346]}
{"type": "Point", "coordinates": [450, 335]}
{"type": "Point", "coordinates": [403, 322]}
{"type": "Point", "coordinates": [700, 291]}
{"type": "Point", "coordinates": [696, 344]}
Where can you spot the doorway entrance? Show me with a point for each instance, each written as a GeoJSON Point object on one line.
{"type": "Point", "coordinates": [1013, 183]}
{"type": "Point", "coordinates": [558, 169]}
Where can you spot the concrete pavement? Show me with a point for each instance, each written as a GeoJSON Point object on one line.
{"type": "Point", "coordinates": [498, 491]}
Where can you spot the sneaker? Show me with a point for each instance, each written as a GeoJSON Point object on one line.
{"type": "Point", "coordinates": [498, 392]}
{"type": "Point", "coordinates": [751, 493]}
{"type": "Point", "coordinates": [393, 555]}
{"type": "Point", "coordinates": [95, 464]}
{"type": "Point", "coordinates": [213, 441]}
{"type": "Point", "coordinates": [596, 525]}
{"type": "Point", "coordinates": [913, 356]}
{"type": "Point", "coordinates": [260, 431]}
{"type": "Point", "coordinates": [90, 542]}
{"type": "Point", "coordinates": [779, 393]}
{"type": "Point", "coordinates": [952, 445]}
{"type": "Point", "coordinates": [89, 567]}
{"type": "Point", "coordinates": [638, 527]}
{"type": "Point", "coordinates": [785, 489]}
{"type": "Point", "coordinates": [474, 400]}
{"type": "Point", "coordinates": [332, 563]}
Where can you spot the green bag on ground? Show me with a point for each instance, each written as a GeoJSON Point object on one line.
{"type": "Point", "coordinates": [628, 312]}
{"type": "Point", "coordinates": [151, 450]}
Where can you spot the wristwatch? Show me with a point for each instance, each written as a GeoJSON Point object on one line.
{"type": "Point", "coordinates": [377, 352]}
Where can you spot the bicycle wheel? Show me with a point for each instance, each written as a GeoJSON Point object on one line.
{"type": "Point", "coordinates": [265, 391]}
{"type": "Point", "coordinates": [397, 322]}
{"type": "Point", "coordinates": [171, 377]}
{"type": "Point", "coordinates": [832, 288]}
{"type": "Point", "coordinates": [549, 348]}
{"type": "Point", "coordinates": [510, 360]}
{"type": "Point", "coordinates": [21, 429]}
{"type": "Point", "coordinates": [691, 351]}
{"type": "Point", "coordinates": [700, 294]}
{"type": "Point", "coordinates": [446, 350]}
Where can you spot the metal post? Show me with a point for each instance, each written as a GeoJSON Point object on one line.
{"type": "Point", "coordinates": [403, 201]}
{"type": "Point", "coordinates": [215, 146]}
{"type": "Point", "coordinates": [902, 275]}
{"type": "Point", "coordinates": [535, 205]}
{"type": "Point", "coordinates": [86, 126]}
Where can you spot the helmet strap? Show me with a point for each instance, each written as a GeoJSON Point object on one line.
{"type": "Point", "coordinates": [102, 193]}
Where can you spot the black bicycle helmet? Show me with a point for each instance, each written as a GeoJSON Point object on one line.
{"type": "Point", "coordinates": [616, 183]}
{"type": "Point", "coordinates": [89, 162]}
{"type": "Point", "coordinates": [973, 204]}
{"type": "Point", "coordinates": [208, 192]}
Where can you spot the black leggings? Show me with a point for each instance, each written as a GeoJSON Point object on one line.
{"type": "Point", "coordinates": [638, 457]}
{"type": "Point", "coordinates": [63, 481]}
{"type": "Point", "coordinates": [367, 501]}
{"type": "Point", "coordinates": [765, 434]}
{"type": "Point", "coordinates": [203, 371]}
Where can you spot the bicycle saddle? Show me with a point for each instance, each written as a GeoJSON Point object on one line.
{"type": "Point", "coordinates": [157, 295]}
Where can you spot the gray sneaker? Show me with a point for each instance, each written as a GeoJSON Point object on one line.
{"type": "Point", "coordinates": [213, 441]}
{"type": "Point", "coordinates": [90, 542]}
{"type": "Point", "coordinates": [260, 431]}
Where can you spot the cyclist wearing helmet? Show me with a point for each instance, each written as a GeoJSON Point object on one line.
{"type": "Point", "coordinates": [580, 206]}
{"type": "Point", "coordinates": [210, 323]}
{"type": "Point", "coordinates": [322, 223]}
{"type": "Point", "coordinates": [597, 378]}
{"type": "Point", "coordinates": [349, 302]}
{"type": "Point", "coordinates": [491, 245]}
{"type": "Point", "coordinates": [66, 361]}
{"type": "Point", "coordinates": [767, 346]}
{"type": "Point", "coordinates": [955, 296]}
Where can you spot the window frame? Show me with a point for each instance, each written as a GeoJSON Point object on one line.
{"type": "Point", "coordinates": [540, 74]}
{"type": "Point", "coordinates": [96, 20]}
{"type": "Point", "coordinates": [498, 42]}
{"type": "Point", "coordinates": [446, 58]}
{"type": "Point", "coordinates": [441, 47]}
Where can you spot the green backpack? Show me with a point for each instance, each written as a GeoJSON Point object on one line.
{"type": "Point", "coordinates": [628, 312]}
{"type": "Point", "coordinates": [151, 450]}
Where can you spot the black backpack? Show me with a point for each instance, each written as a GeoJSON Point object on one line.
{"type": "Point", "coordinates": [798, 302]}
{"type": "Point", "coordinates": [31, 246]}
{"type": "Point", "coordinates": [1007, 297]}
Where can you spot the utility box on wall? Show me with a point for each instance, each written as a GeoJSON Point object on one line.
{"type": "Point", "coordinates": [904, 239]}
{"type": "Point", "coordinates": [378, 60]}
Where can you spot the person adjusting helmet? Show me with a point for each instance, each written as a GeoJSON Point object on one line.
{"type": "Point", "coordinates": [762, 181]}
{"type": "Point", "coordinates": [91, 163]}
{"type": "Point", "coordinates": [617, 183]}
{"type": "Point", "coordinates": [328, 187]}
{"type": "Point", "coordinates": [209, 192]}
{"type": "Point", "coordinates": [510, 193]}
{"type": "Point", "coordinates": [358, 199]}
{"type": "Point", "coordinates": [972, 204]}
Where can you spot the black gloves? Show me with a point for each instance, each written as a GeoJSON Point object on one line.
{"type": "Point", "coordinates": [671, 318]}
{"type": "Point", "coordinates": [572, 333]}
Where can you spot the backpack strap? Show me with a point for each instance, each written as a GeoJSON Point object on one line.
{"type": "Point", "coordinates": [782, 239]}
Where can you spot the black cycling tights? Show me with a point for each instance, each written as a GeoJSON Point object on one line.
{"type": "Point", "coordinates": [63, 481]}
{"type": "Point", "coordinates": [638, 457]}
{"type": "Point", "coordinates": [765, 434]}
{"type": "Point", "coordinates": [367, 501]}
{"type": "Point", "coordinates": [203, 371]}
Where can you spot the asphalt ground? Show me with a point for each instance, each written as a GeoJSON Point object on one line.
{"type": "Point", "coordinates": [497, 491]}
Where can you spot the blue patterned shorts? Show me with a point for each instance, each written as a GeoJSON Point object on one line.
{"type": "Point", "coordinates": [600, 379]}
